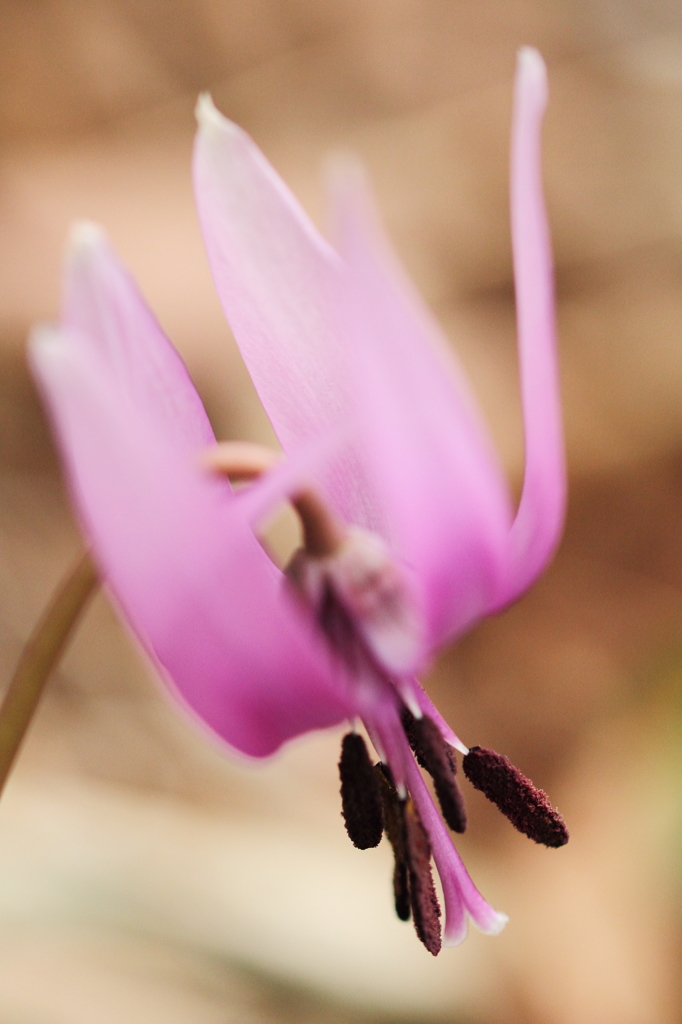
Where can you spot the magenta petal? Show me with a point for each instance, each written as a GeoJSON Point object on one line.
{"type": "Point", "coordinates": [102, 302]}
{"type": "Point", "coordinates": [190, 576]}
{"type": "Point", "coordinates": [540, 517]}
{"type": "Point", "coordinates": [432, 467]}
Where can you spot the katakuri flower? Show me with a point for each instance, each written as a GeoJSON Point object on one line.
{"type": "Point", "coordinates": [409, 533]}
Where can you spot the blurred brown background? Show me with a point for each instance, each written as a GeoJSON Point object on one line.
{"type": "Point", "coordinates": [144, 878]}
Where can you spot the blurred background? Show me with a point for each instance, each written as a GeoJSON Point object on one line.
{"type": "Point", "coordinates": [144, 878]}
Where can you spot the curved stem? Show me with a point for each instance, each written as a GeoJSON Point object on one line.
{"type": "Point", "coordinates": [39, 657]}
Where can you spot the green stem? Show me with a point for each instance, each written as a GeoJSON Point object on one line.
{"type": "Point", "coordinates": [39, 657]}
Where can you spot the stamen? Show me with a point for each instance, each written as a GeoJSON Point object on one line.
{"type": "Point", "coordinates": [413, 886]}
{"type": "Point", "coordinates": [435, 755]}
{"type": "Point", "coordinates": [528, 808]}
{"type": "Point", "coordinates": [394, 824]}
{"type": "Point", "coordinates": [401, 890]}
{"type": "Point", "coordinates": [360, 794]}
{"type": "Point", "coordinates": [423, 899]}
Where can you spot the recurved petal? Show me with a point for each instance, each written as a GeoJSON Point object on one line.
{"type": "Point", "coordinates": [182, 562]}
{"type": "Point", "coordinates": [431, 464]}
{"type": "Point", "coordinates": [102, 305]}
{"type": "Point", "coordinates": [274, 274]}
{"type": "Point", "coordinates": [540, 516]}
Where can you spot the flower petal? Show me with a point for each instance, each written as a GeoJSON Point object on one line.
{"type": "Point", "coordinates": [181, 559]}
{"type": "Point", "coordinates": [101, 302]}
{"type": "Point", "coordinates": [274, 274]}
{"type": "Point", "coordinates": [433, 469]}
{"type": "Point", "coordinates": [540, 516]}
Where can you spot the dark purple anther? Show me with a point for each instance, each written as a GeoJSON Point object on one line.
{"type": "Point", "coordinates": [394, 824]}
{"type": "Point", "coordinates": [360, 794]}
{"type": "Point", "coordinates": [527, 807]}
{"type": "Point", "coordinates": [423, 899]}
{"type": "Point", "coordinates": [413, 888]}
{"type": "Point", "coordinates": [434, 754]}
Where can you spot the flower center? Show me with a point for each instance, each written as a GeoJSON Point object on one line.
{"type": "Point", "coordinates": [351, 565]}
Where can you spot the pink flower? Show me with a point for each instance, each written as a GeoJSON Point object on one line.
{"type": "Point", "coordinates": [409, 531]}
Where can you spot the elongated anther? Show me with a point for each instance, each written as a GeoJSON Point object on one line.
{"type": "Point", "coordinates": [527, 807]}
{"type": "Point", "coordinates": [434, 755]}
{"type": "Point", "coordinates": [394, 824]}
{"type": "Point", "coordinates": [423, 898]}
{"type": "Point", "coordinates": [413, 887]}
{"type": "Point", "coordinates": [360, 794]}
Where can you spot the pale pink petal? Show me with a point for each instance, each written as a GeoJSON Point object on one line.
{"type": "Point", "coordinates": [192, 580]}
{"type": "Point", "coordinates": [103, 305]}
{"type": "Point", "coordinates": [540, 517]}
{"type": "Point", "coordinates": [274, 274]}
{"type": "Point", "coordinates": [422, 472]}
{"type": "Point", "coordinates": [431, 464]}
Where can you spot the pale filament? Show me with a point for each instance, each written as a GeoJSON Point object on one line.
{"type": "Point", "coordinates": [323, 533]}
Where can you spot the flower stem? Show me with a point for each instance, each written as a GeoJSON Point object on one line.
{"type": "Point", "coordinates": [39, 657]}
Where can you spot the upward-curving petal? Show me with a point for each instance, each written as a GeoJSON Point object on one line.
{"type": "Point", "coordinates": [540, 516]}
{"type": "Point", "coordinates": [101, 302]}
{"type": "Point", "coordinates": [274, 274]}
{"type": "Point", "coordinates": [184, 565]}
{"type": "Point", "coordinates": [432, 465]}
{"type": "Point", "coordinates": [173, 543]}
{"type": "Point", "coordinates": [421, 469]}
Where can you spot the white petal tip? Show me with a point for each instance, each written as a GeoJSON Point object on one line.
{"type": "Point", "coordinates": [342, 167]}
{"type": "Point", "coordinates": [43, 344]}
{"type": "Point", "coordinates": [532, 71]}
{"type": "Point", "coordinates": [85, 236]}
{"type": "Point", "coordinates": [530, 60]}
{"type": "Point", "coordinates": [211, 121]}
{"type": "Point", "coordinates": [206, 112]}
{"type": "Point", "coordinates": [494, 926]}
{"type": "Point", "coordinates": [450, 941]}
